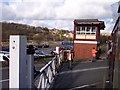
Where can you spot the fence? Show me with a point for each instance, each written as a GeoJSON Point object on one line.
{"type": "Point", "coordinates": [21, 72]}
{"type": "Point", "coordinates": [48, 73]}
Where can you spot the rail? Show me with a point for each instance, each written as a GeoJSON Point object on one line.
{"type": "Point", "coordinates": [48, 72]}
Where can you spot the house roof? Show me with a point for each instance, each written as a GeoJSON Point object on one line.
{"type": "Point", "coordinates": [86, 20]}
{"type": "Point", "coordinates": [90, 22]}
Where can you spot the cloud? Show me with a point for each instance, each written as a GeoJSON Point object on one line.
{"type": "Point", "coordinates": [84, 9]}
{"type": "Point", "coordinates": [109, 23]}
{"type": "Point", "coordinates": [58, 24]}
{"type": "Point", "coordinates": [56, 13]}
{"type": "Point", "coordinates": [29, 10]}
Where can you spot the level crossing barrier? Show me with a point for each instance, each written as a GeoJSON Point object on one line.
{"type": "Point", "coordinates": [21, 73]}
{"type": "Point", "coordinates": [47, 74]}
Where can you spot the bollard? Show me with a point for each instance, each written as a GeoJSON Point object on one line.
{"type": "Point", "coordinates": [30, 66]}
{"type": "Point", "coordinates": [17, 65]}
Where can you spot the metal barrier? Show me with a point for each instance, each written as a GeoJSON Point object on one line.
{"type": "Point", "coordinates": [21, 68]}
{"type": "Point", "coordinates": [48, 73]}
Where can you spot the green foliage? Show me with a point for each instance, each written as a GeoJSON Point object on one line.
{"type": "Point", "coordinates": [37, 34]}
{"type": "Point", "coordinates": [103, 39]}
{"type": "Point", "coordinates": [103, 48]}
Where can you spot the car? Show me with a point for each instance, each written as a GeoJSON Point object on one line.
{"type": "Point", "coordinates": [5, 49]}
{"type": "Point", "coordinates": [39, 53]}
{"type": "Point", "coordinates": [40, 46]}
{"type": "Point", "coordinates": [43, 46]}
{"type": "Point", "coordinates": [53, 51]}
{"type": "Point", "coordinates": [4, 56]}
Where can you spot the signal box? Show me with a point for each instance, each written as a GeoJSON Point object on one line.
{"type": "Point", "coordinates": [86, 36]}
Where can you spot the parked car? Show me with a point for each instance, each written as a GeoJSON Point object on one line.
{"type": "Point", "coordinates": [43, 46]}
{"type": "Point", "coordinates": [53, 51]}
{"type": "Point", "coordinates": [4, 56]}
{"type": "Point", "coordinates": [5, 49]}
{"type": "Point", "coordinates": [39, 53]}
{"type": "Point", "coordinates": [40, 46]}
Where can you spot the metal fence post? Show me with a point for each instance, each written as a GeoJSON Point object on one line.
{"type": "Point", "coordinates": [30, 71]}
{"type": "Point", "coordinates": [1, 44]}
{"type": "Point", "coordinates": [17, 65]}
{"type": "Point", "coordinates": [30, 66]}
{"type": "Point", "coordinates": [0, 36]}
{"type": "Point", "coordinates": [58, 54]}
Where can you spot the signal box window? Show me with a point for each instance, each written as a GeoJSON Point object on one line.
{"type": "Point", "coordinates": [78, 29]}
{"type": "Point", "coordinates": [85, 30]}
{"type": "Point", "coordinates": [93, 31]}
{"type": "Point", "coordinates": [88, 30]}
{"type": "Point", "coordinates": [82, 30]}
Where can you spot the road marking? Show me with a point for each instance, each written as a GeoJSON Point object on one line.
{"type": "Point", "coordinates": [79, 87]}
{"type": "Point", "coordinates": [87, 85]}
{"type": "Point", "coordinates": [4, 80]}
{"type": "Point", "coordinates": [82, 70]}
{"type": "Point", "coordinates": [91, 61]}
{"type": "Point", "coordinates": [107, 81]}
{"type": "Point", "coordinates": [82, 86]}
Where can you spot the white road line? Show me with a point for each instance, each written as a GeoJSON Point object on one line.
{"type": "Point", "coordinates": [91, 61]}
{"type": "Point", "coordinates": [79, 87]}
{"type": "Point", "coordinates": [107, 81]}
{"type": "Point", "coordinates": [87, 85]}
{"type": "Point", "coordinates": [83, 86]}
{"type": "Point", "coordinates": [4, 80]}
{"type": "Point", "coordinates": [82, 70]}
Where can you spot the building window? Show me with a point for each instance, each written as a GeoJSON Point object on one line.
{"type": "Point", "coordinates": [85, 30]}
{"type": "Point", "coordinates": [82, 30]}
{"type": "Point", "coordinates": [88, 30]}
{"type": "Point", "coordinates": [93, 31]}
{"type": "Point", "coordinates": [78, 30]}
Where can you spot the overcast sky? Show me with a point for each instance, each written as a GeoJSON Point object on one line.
{"type": "Point", "coordinates": [58, 13]}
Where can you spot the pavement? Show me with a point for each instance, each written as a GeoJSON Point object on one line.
{"type": "Point", "coordinates": [4, 80]}
{"type": "Point", "coordinates": [83, 75]}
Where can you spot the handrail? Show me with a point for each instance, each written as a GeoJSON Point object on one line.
{"type": "Point", "coordinates": [48, 73]}
{"type": "Point", "coordinates": [42, 69]}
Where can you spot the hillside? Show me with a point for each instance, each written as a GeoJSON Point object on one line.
{"type": "Point", "coordinates": [34, 34]}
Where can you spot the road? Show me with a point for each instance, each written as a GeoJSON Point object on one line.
{"type": "Point", "coordinates": [82, 75]}
{"type": "Point", "coordinates": [86, 74]}
{"type": "Point", "coordinates": [4, 81]}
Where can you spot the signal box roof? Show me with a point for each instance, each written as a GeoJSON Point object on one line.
{"type": "Point", "coordinates": [89, 22]}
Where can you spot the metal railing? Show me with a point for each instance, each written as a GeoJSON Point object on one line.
{"type": "Point", "coordinates": [21, 66]}
{"type": "Point", "coordinates": [47, 74]}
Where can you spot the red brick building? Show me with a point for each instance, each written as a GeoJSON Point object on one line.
{"type": "Point", "coordinates": [86, 36]}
